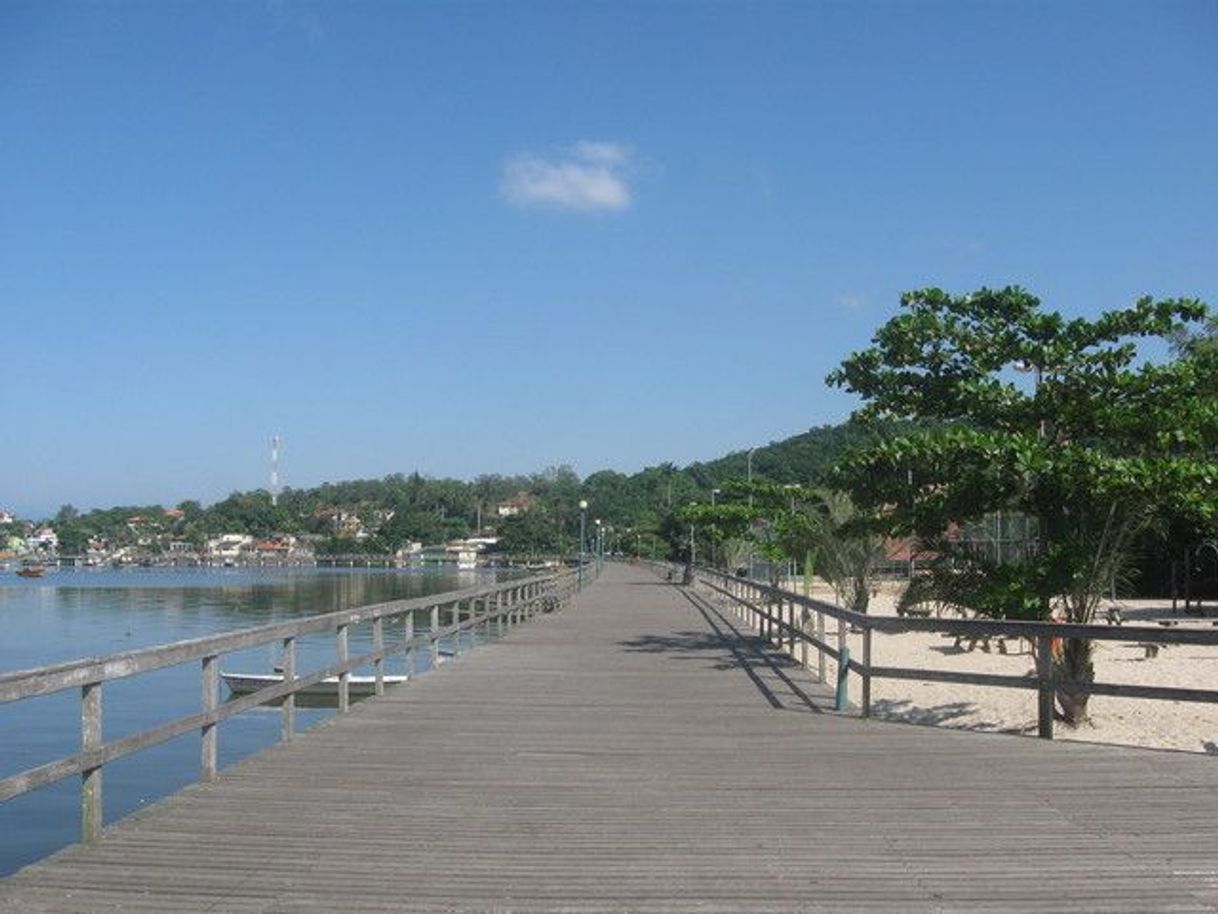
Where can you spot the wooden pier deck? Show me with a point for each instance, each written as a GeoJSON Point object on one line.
{"type": "Point", "coordinates": [641, 752]}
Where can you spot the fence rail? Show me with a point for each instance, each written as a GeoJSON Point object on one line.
{"type": "Point", "coordinates": [783, 617]}
{"type": "Point", "coordinates": [450, 614]}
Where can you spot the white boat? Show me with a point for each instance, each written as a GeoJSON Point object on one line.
{"type": "Point", "coordinates": [357, 686]}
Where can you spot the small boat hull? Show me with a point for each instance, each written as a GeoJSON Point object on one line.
{"type": "Point", "coordinates": [357, 686]}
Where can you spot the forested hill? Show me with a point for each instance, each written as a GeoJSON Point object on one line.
{"type": "Point", "coordinates": [384, 514]}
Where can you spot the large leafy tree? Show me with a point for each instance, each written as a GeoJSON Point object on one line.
{"type": "Point", "coordinates": [1093, 441]}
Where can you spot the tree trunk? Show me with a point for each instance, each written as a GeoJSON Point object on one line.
{"type": "Point", "coordinates": [1072, 661]}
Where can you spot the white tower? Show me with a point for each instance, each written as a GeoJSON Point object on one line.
{"type": "Point", "coordinates": [276, 441]}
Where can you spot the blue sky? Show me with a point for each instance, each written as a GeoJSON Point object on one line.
{"type": "Point", "coordinates": [493, 237]}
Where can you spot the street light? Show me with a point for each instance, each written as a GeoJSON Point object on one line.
{"type": "Point", "coordinates": [751, 571]}
{"type": "Point", "coordinates": [715, 492]}
{"type": "Point", "coordinates": [693, 543]}
{"type": "Point", "coordinates": [600, 544]}
{"type": "Point", "coordinates": [583, 517]}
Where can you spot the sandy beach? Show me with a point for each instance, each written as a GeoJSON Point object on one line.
{"type": "Point", "coordinates": [1187, 726]}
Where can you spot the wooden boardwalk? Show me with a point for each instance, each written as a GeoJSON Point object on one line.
{"type": "Point", "coordinates": [639, 752]}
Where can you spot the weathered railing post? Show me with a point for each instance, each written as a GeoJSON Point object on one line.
{"type": "Point", "coordinates": [1044, 686]}
{"type": "Point", "coordinates": [344, 677]}
{"type": "Point", "coordinates": [210, 700]}
{"type": "Point", "coordinates": [409, 655]}
{"type": "Point", "coordinates": [90, 778]}
{"type": "Point", "coordinates": [821, 669]}
{"type": "Point", "coordinates": [867, 671]}
{"type": "Point", "coordinates": [287, 719]}
{"type": "Point", "coordinates": [454, 620]}
{"type": "Point", "coordinates": [803, 641]}
{"type": "Point", "coordinates": [378, 648]}
{"type": "Point", "coordinates": [435, 636]}
{"type": "Point", "coordinates": [841, 699]}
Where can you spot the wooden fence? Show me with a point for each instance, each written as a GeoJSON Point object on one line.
{"type": "Point", "coordinates": [789, 619]}
{"type": "Point", "coordinates": [500, 605]}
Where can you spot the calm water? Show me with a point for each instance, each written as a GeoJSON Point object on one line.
{"type": "Point", "coordinates": [72, 614]}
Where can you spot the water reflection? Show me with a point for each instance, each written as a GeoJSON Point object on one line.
{"type": "Point", "coordinates": [71, 614]}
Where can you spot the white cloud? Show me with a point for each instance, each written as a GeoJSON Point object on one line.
{"type": "Point", "coordinates": [585, 177]}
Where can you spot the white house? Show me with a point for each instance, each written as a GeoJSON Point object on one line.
{"type": "Point", "coordinates": [228, 545]}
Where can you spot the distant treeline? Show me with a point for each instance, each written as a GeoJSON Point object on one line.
{"type": "Point", "coordinates": [382, 515]}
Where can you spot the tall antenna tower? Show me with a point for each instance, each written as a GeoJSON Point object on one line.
{"type": "Point", "coordinates": [276, 441]}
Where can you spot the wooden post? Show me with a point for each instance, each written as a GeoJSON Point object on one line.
{"type": "Point", "coordinates": [791, 629]}
{"type": "Point", "coordinates": [90, 778]}
{"type": "Point", "coordinates": [1044, 690]}
{"type": "Point", "coordinates": [867, 672]}
{"type": "Point", "coordinates": [841, 699]}
{"type": "Point", "coordinates": [344, 678]}
{"type": "Point", "coordinates": [409, 659]}
{"type": "Point", "coordinates": [821, 670]}
{"type": "Point", "coordinates": [287, 719]}
{"type": "Point", "coordinates": [841, 636]}
{"type": "Point", "coordinates": [803, 642]}
{"type": "Point", "coordinates": [455, 621]}
{"type": "Point", "coordinates": [210, 696]}
{"type": "Point", "coordinates": [435, 637]}
{"type": "Point", "coordinates": [378, 648]}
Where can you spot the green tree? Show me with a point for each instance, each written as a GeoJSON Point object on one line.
{"type": "Point", "coordinates": [1096, 446]}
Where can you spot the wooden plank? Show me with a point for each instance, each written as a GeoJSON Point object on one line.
{"type": "Point", "coordinates": [621, 755]}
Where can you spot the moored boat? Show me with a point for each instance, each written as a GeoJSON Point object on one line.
{"type": "Point", "coordinates": [357, 686]}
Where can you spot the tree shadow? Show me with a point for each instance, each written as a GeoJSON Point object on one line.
{"type": "Point", "coordinates": [726, 647]}
{"type": "Point", "coordinates": [949, 715]}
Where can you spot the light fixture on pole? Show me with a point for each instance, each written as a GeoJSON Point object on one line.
{"type": "Point", "coordinates": [583, 517]}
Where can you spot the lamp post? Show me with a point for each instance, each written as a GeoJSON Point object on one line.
{"type": "Point", "coordinates": [714, 492]}
{"type": "Point", "coordinates": [750, 480]}
{"type": "Point", "coordinates": [583, 519]}
{"type": "Point", "coordinates": [600, 544]}
{"type": "Point", "coordinates": [693, 542]}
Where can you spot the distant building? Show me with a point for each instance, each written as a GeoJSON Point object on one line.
{"type": "Point", "coordinates": [228, 545]}
{"type": "Point", "coordinates": [44, 539]}
{"type": "Point", "coordinates": [7, 517]}
{"type": "Point", "coordinates": [517, 504]}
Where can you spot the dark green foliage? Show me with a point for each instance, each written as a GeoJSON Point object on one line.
{"type": "Point", "coordinates": [1100, 449]}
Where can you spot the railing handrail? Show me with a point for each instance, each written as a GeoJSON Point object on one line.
{"type": "Point", "coordinates": [895, 625]}
{"type": "Point", "coordinates": [44, 680]}
{"type": "Point", "coordinates": [513, 601]}
{"type": "Point", "coordinates": [758, 597]}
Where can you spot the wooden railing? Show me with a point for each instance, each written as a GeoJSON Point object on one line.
{"type": "Point", "coordinates": [788, 619]}
{"type": "Point", "coordinates": [500, 605]}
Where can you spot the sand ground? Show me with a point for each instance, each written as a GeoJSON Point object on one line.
{"type": "Point", "coordinates": [1187, 726]}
